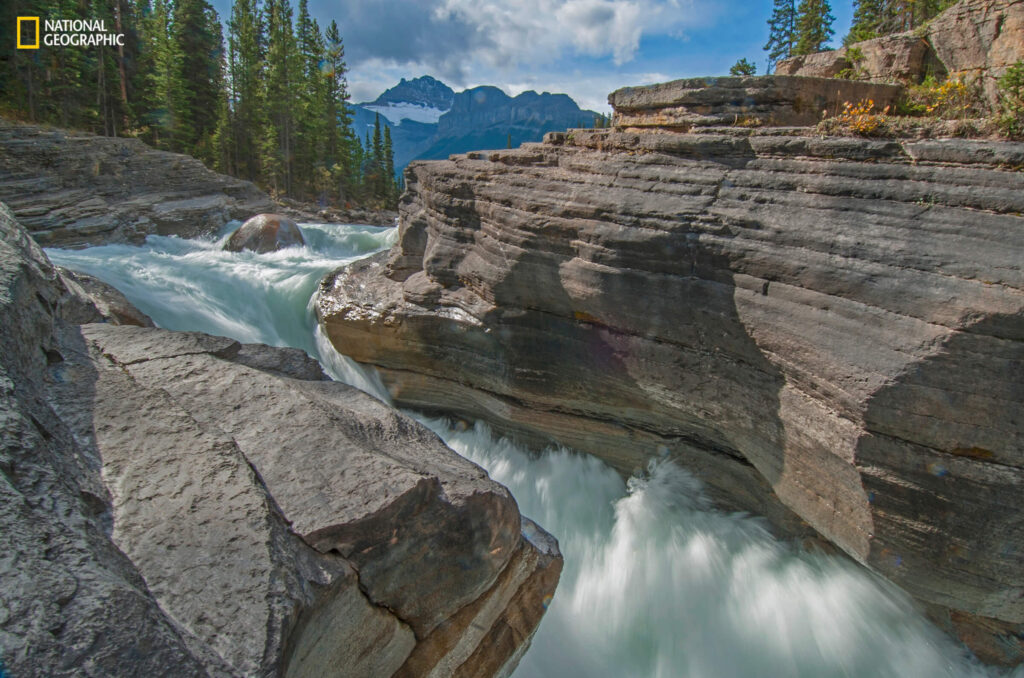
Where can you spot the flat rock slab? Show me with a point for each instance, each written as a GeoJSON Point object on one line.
{"type": "Point", "coordinates": [777, 100]}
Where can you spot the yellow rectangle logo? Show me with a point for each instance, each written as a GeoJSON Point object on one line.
{"type": "Point", "coordinates": [26, 22]}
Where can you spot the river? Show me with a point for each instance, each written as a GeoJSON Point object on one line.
{"type": "Point", "coordinates": [657, 583]}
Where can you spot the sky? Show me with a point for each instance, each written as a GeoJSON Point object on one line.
{"type": "Point", "coordinates": [584, 48]}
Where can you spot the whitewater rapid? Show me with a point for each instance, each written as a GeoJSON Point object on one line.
{"type": "Point", "coordinates": [657, 583]}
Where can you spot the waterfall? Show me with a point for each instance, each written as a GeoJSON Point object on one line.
{"type": "Point", "coordinates": [657, 582]}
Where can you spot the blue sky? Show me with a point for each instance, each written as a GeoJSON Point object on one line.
{"type": "Point", "coordinates": [585, 48]}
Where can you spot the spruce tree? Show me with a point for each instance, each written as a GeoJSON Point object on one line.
{"type": "Point", "coordinates": [343, 150]}
{"type": "Point", "coordinates": [867, 20]}
{"type": "Point", "coordinates": [197, 79]}
{"type": "Point", "coordinates": [813, 26]}
{"type": "Point", "coordinates": [282, 70]}
{"type": "Point", "coordinates": [246, 90]}
{"type": "Point", "coordinates": [391, 187]}
{"type": "Point", "coordinates": [781, 32]}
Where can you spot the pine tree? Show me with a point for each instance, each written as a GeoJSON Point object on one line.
{"type": "Point", "coordinates": [867, 20]}
{"type": "Point", "coordinates": [197, 80]}
{"type": "Point", "coordinates": [246, 92]}
{"type": "Point", "coordinates": [781, 32]}
{"type": "Point", "coordinates": [743, 67]}
{"type": "Point", "coordinates": [391, 188]}
{"type": "Point", "coordinates": [813, 26]}
{"type": "Point", "coordinates": [282, 69]}
{"type": "Point", "coordinates": [343, 151]}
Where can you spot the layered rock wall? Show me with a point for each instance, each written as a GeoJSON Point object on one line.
{"type": "Point", "coordinates": [177, 504]}
{"type": "Point", "coordinates": [73, 189]}
{"type": "Point", "coordinates": [825, 330]}
{"type": "Point", "coordinates": [772, 101]}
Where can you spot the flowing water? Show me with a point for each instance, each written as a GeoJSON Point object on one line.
{"type": "Point", "coordinates": [657, 583]}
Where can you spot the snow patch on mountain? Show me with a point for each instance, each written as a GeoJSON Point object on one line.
{"type": "Point", "coordinates": [397, 112]}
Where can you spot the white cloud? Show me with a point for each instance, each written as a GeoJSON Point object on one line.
{"type": "Point", "coordinates": [531, 31]}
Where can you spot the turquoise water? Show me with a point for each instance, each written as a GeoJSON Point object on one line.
{"type": "Point", "coordinates": [656, 584]}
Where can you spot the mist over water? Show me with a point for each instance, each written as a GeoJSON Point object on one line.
{"type": "Point", "coordinates": [657, 583]}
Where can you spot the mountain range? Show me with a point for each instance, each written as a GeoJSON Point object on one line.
{"type": "Point", "coordinates": [429, 120]}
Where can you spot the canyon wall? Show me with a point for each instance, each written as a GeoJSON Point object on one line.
{"type": "Point", "coordinates": [178, 504]}
{"type": "Point", "coordinates": [71, 189]}
{"type": "Point", "coordinates": [828, 331]}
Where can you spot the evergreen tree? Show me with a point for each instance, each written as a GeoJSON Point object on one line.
{"type": "Point", "coordinates": [781, 32]}
{"type": "Point", "coordinates": [391, 187]}
{"type": "Point", "coordinates": [246, 93]}
{"type": "Point", "coordinates": [282, 70]}
{"type": "Point", "coordinates": [813, 26]}
{"type": "Point", "coordinates": [867, 20]}
{"type": "Point", "coordinates": [342, 149]}
{"type": "Point", "coordinates": [743, 67]}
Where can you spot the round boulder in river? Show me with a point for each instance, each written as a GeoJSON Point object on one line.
{"type": "Point", "coordinates": [265, 233]}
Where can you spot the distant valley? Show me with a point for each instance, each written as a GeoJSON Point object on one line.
{"type": "Point", "coordinates": [429, 120]}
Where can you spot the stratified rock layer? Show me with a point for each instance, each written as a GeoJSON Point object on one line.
{"type": "Point", "coordinates": [751, 101]}
{"type": "Point", "coordinates": [177, 504]}
{"type": "Point", "coordinates": [73, 189]}
{"type": "Point", "coordinates": [826, 327]}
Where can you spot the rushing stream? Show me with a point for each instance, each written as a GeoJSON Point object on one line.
{"type": "Point", "coordinates": [656, 582]}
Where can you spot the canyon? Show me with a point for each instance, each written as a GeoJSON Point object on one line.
{"type": "Point", "coordinates": [827, 331]}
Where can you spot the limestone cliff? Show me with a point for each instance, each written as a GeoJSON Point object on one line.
{"type": "Point", "coordinates": [825, 329]}
{"type": "Point", "coordinates": [178, 504]}
{"type": "Point", "coordinates": [72, 189]}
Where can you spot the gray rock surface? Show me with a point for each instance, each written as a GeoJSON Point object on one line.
{"type": "Point", "coordinates": [73, 189]}
{"type": "Point", "coordinates": [827, 330]}
{"type": "Point", "coordinates": [265, 233]}
{"type": "Point", "coordinates": [777, 100]}
{"type": "Point", "coordinates": [177, 504]}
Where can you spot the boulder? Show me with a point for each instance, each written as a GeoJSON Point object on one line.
{"type": "Point", "coordinates": [177, 504]}
{"type": "Point", "coordinates": [265, 233]}
{"type": "Point", "coordinates": [903, 58]}
{"type": "Point", "coordinates": [828, 331]}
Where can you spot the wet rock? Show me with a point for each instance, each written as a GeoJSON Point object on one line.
{"type": "Point", "coordinates": [228, 509]}
{"type": "Point", "coordinates": [265, 233]}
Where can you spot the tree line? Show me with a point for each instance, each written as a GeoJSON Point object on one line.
{"type": "Point", "coordinates": [805, 28]}
{"type": "Point", "coordinates": [267, 102]}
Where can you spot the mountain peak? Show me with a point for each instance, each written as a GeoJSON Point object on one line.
{"type": "Point", "coordinates": [422, 91]}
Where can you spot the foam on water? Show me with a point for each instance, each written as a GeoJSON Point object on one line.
{"type": "Point", "coordinates": [656, 582]}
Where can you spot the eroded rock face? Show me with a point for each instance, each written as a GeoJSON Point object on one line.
{"type": "Point", "coordinates": [974, 40]}
{"type": "Point", "coordinates": [230, 510]}
{"type": "Point", "coordinates": [265, 233]}
{"type": "Point", "coordinates": [71, 189]}
{"type": "Point", "coordinates": [823, 329]}
{"type": "Point", "coordinates": [777, 100]}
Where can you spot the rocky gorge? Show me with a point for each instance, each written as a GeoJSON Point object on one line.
{"type": "Point", "coordinates": [181, 504]}
{"type": "Point", "coordinates": [827, 331]}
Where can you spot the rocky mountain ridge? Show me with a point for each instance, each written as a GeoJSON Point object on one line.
{"type": "Point", "coordinates": [828, 331]}
{"type": "Point", "coordinates": [442, 122]}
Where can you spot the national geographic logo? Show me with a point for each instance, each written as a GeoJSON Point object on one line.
{"type": "Point", "coordinates": [28, 32]}
{"type": "Point", "coordinates": [65, 33]}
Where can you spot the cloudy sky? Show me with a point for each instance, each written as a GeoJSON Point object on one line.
{"type": "Point", "coordinates": [585, 48]}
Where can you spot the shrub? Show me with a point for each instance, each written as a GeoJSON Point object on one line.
{"type": "Point", "coordinates": [1011, 101]}
{"type": "Point", "coordinates": [947, 100]}
{"type": "Point", "coordinates": [860, 118]}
